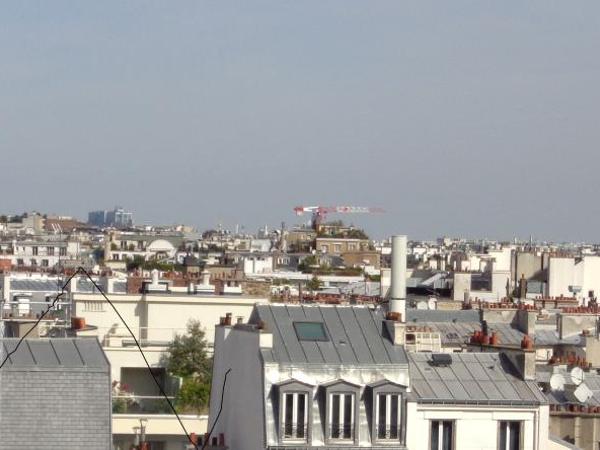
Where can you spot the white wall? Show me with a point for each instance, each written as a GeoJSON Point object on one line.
{"type": "Point", "coordinates": [565, 272]}
{"type": "Point", "coordinates": [159, 316]}
{"type": "Point", "coordinates": [242, 419]}
{"type": "Point", "coordinates": [476, 428]}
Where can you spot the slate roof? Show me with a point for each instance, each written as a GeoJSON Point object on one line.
{"type": "Point", "coordinates": [356, 335]}
{"type": "Point", "coordinates": [57, 353]}
{"type": "Point", "coordinates": [471, 378]}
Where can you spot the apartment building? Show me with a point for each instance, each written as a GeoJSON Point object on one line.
{"type": "Point", "coordinates": [155, 317]}
{"type": "Point", "coordinates": [41, 253]}
{"type": "Point", "coordinates": [325, 375]}
{"type": "Point", "coordinates": [54, 393]}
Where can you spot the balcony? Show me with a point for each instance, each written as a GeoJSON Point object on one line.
{"type": "Point", "coordinates": [142, 405]}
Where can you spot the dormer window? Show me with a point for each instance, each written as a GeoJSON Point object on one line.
{"type": "Point", "coordinates": [295, 415]}
{"type": "Point", "coordinates": [342, 400]}
{"type": "Point", "coordinates": [294, 412]}
{"type": "Point", "coordinates": [341, 416]}
{"type": "Point", "coordinates": [387, 416]}
{"type": "Point", "coordinates": [387, 404]}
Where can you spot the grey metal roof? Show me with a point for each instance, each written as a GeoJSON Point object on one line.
{"type": "Point", "coordinates": [453, 333]}
{"type": "Point", "coordinates": [56, 353]}
{"type": "Point", "coordinates": [356, 335]}
{"type": "Point", "coordinates": [551, 338]}
{"type": "Point", "coordinates": [472, 378]}
{"type": "Point", "coordinates": [35, 285]}
{"type": "Point", "coordinates": [440, 315]}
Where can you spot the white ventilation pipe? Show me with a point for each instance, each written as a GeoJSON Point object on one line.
{"type": "Point", "coordinates": [398, 288]}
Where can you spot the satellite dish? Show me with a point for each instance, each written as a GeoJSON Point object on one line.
{"type": "Point", "coordinates": [557, 382]}
{"type": "Point", "coordinates": [432, 303]}
{"type": "Point", "coordinates": [583, 393]}
{"type": "Point", "coordinates": [577, 375]}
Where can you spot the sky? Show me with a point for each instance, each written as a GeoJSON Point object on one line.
{"type": "Point", "coordinates": [463, 118]}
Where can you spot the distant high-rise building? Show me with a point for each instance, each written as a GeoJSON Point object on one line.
{"type": "Point", "coordinates": [118, 218]}
{"type": "Point", "coordinates": [97, 218]}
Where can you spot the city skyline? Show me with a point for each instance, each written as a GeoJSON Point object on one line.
{"type": "Point", "coordinates": [463, 119]}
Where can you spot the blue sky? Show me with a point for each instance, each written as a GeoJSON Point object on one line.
{"type": "Point", "coordinates": [467, 118]}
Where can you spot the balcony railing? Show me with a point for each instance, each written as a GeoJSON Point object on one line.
{"type": "Point", "coordinates": [387, 432]}
{"type": "Point", "coordinates": [294, 432]}
{"type": "Point", "coordinates": [138, 404]}
{"type": "Point", "coordinates": [345, 432]}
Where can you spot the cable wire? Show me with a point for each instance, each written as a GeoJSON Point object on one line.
{"type": "Point", "coordinates": [220, 410]}
{"type": "Point", "coordinates": [37, 322]}
{"type": "Point", "coordinates": [158, 384]}
{"type": "Point", "coordinates": [82, 271]}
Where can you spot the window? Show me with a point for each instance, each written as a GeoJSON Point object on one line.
{"type": "Point", "coordinates": [33, 262]}
{"type": "Point", "coordinates": [295, 414]}
{"type": "Point", "coordinates": [19, 262]}
{"type": "Point", "coordinates": [509, 435]}
{"type": "Point", "coordinates": [45, 263]}
{"type": "Point", "coordinates": [387, 416]}
{"type": "Point", "coordinates": [50, 251]}
{"type": "Point", "coordinates": [310, 331]}
{"type": "Point", "coordinates": [93, 306]}
{"type": "Point", "coordinates": [337, 248]}
{"type": "Point", "coordinates": [63, 251]}
{"type": "Point", "coordinates": [442, 435]}
{"type": "Point", "coordinates": [341, 416]}
{"type": "Point", "coordinates": [34, 251]}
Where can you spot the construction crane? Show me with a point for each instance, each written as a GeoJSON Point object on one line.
{"type": "Point", "coordinates": [319, 213]}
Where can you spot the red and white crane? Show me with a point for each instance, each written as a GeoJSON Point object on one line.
{"type": "Point", "coordinates": [319, 213]}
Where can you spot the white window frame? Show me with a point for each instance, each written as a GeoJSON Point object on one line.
{"type": "Point", "coordinates": [388, 416]}
{"type": "Point", "coordinates": [295, 399]}
{"type": "Point", "coordinates": [342, 416]}
{"type": "Point", "coordinates": [440, 424]}
{"type": "Point", "coordinates": [506, 424]}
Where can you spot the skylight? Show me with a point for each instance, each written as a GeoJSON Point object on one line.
{"type": "Point", "coordinates": [310, 331]}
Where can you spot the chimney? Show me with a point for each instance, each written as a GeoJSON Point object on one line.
{"type": "Point", "coordinates": [398, 287]}
{"type": "Point", "coordinates": [205, 277]}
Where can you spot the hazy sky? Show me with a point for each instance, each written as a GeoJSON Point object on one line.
{"type": "Point", "coordinates": [467, 118]}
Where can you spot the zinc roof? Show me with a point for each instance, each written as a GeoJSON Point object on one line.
{"type": "Point", "coordinates": [35, 285]}
{"type": "Point", "coordinates": [55, 353]}
{"type": "Point", "coordinates": [471, 378]}
{"type": "Point", "coordinates": [356, 335]}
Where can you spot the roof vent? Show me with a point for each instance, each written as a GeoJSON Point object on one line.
{"type": "Point", "coordinates": [441, 359]}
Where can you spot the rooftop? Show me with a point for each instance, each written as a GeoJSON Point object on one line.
{"type": "Point", "coordinates": [56, 353]}
{"type": "Point", "coordinates": [354, 335]}
{"type": "Point", "coordinates": [471, 378]}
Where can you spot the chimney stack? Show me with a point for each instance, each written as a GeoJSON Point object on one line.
{"type": "Point", "coordinates": [398, 287]}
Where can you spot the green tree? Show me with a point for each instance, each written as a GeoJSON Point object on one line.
{"type": "Point", "coordinates": [314, 284]}
{"type": "Point", "coordinates": [187, 358]}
